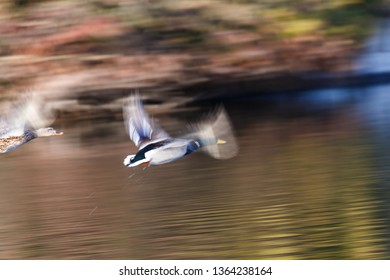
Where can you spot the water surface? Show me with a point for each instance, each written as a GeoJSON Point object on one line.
{"type": "Point", "coordinates": [310, 182]}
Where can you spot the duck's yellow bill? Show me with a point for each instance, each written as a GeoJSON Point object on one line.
{"type": "Point", "coordinates": [220, 142]}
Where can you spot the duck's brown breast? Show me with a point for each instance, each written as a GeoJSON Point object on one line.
{"type": "Point", "coordinates": [10, 142]}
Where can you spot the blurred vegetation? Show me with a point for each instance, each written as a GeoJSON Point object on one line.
{"type": "Point", "coordinates": [174, 45]}
{"type": "Point", "coordinates": [188, 24]}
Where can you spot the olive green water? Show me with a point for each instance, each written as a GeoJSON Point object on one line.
{"type": "Point", "coordinates": [310, 182]}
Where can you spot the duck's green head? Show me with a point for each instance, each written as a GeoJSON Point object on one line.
{"type": "Point", "coordinates": [47, 131]}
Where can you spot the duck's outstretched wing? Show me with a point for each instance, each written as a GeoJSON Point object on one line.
{"type": "Point", "coordinates": [12, 121]}
{"type": "Point", "coordinates": [216, 135]}
{"type": "Point", "coordinates": [8, 128]}
{"type": "Point", "coordinates": [27, 112]}
{"type": "Point", "coordinates": [141, 129]}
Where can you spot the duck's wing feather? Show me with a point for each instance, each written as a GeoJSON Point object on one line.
{"type": "Point", "coordinates": [212, 129]}
{"type": "Point", "coordinates": [10, 125]}
{"type": "Point", "coordinates": [27, 112]}
{"type": "Point", "coordinates": [7, 132]}
{"type": "Point", "coordinates": [141, 129]}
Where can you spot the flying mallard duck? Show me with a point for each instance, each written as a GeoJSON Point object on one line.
{"type": "Point", "coordinates": [20, 123]}
{"type": "Point", "coordinates": [156, 147]}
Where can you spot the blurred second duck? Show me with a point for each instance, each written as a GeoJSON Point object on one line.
{"type": "Point", "coordinates": [24, 121]}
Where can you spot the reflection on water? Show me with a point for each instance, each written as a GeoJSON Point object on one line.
{"type": "Point", "coordinates": [310, 182]}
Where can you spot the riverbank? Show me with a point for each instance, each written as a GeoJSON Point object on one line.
{"type": "Point", "coordinates": [87, 58]}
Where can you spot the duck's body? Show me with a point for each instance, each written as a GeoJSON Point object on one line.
{"type": "Point", "coordinates": [164, 151]}
{"type": "Point", "coordinates": [13, 125]}
{"type": "Point", "coordinates": [157, 147]}
{"type": "Point", "coordinates": [10, 143]}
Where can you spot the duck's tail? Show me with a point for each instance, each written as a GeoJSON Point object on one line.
{"type": "Point", "coordinates": [215, 136]}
